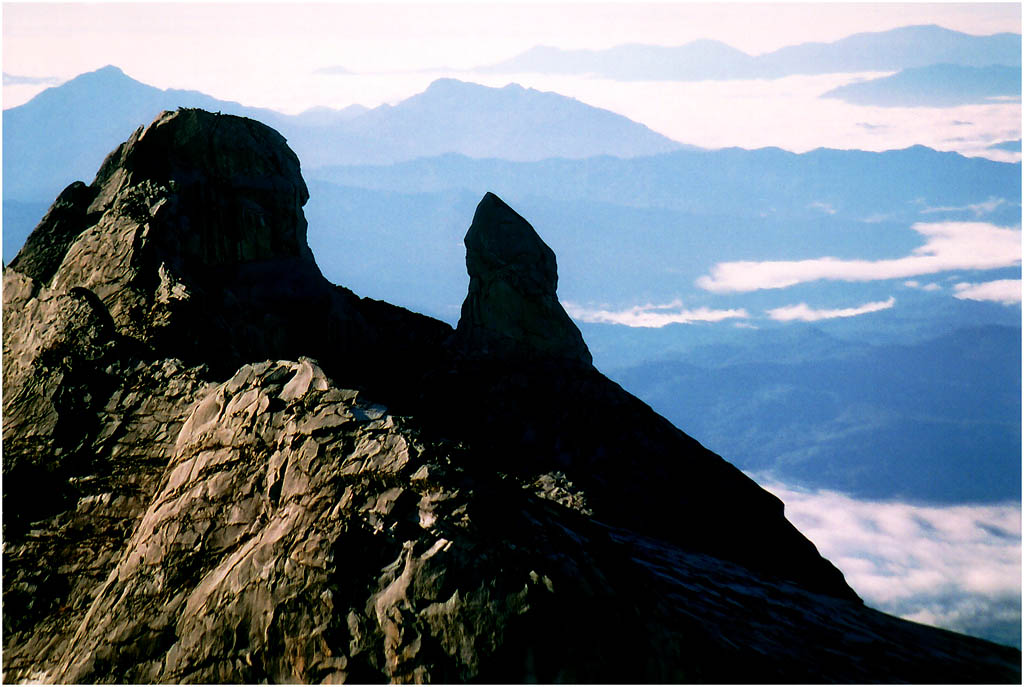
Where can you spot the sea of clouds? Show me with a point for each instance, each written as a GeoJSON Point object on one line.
{"type": "Point", "coordinates": [788, 113]}
{"type": "Point", "coordinates": [956, 566]}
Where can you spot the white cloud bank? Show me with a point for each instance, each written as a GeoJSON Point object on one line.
{"type": "Point", "coordinates": [652, 316]}
{"type": "Point", "coordinates": [805, 313]}
{"type": "Point", "coordinates": [948, 246]}
{"type": "Point", "coordinates": [957, 567]}
{"type": "Point", "coordinates": [1005, 291]}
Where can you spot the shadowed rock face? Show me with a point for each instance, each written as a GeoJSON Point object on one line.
{"type": "Point", "coordinates": [512, 310]}
{"type": "Point", "coordinates": [193, 237]}
{"type": "Point", "coordinates": [253, 475]}
{"type": "Point", "coordinates": [182, 201]}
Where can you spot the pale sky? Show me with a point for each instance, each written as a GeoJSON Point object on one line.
{"type": "Point", "coordinates": [268, 55]}
{"type": "Point", "coordinates": [264, 54]}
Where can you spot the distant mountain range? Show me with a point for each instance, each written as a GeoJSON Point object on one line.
{"type": "Point", "coordinates": [660, 220]}
{"type": "Point", "coordinates": [879, 422]}
{"type": "Point", "coordinates": [869, 404]}
{"type": "Point", "coordinates": [219, 467]}
{"type": "Point", "coordinates": [938, 85]}
{"type": "Point", "coordinates": [897, 49]}
{"type": "Point", "coordinates": [1011, 146]}
{"type": "Point", "coordinates": [63, 133]}
{"type": "Point", "coordinates": [759, 183]}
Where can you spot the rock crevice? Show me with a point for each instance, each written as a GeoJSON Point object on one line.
{"type": "Point", "coordinates": [219, 467]}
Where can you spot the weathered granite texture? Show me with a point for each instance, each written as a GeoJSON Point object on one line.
{"type": "Point", "coordinates": [192, 236]}
{"type": "Point", "coordinates": [218, 467]}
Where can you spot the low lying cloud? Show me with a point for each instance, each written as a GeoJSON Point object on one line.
{"type": "Point", "coordinates": [1005, 291]}
{"type": "Point", "coordinates": [652, 316]}
{"type": "Point", "coordinates": [804, 313]}
{"type": "Point", "coordinates": [948, 246]}
{"type": "Point", "coordinates": [957, 567]}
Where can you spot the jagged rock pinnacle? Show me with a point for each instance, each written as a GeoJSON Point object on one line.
{"type": "Point", "coordinates": [179, 215]}
{"type": "Point", "coordinates": [512, 310]}
{"type": "Point", "coordinates": [220, 468]}
{"type": "Point", "coordinates": [192, 236]}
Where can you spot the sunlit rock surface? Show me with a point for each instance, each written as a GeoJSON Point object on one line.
{"type": "Point", "coordinates": [218, 467]}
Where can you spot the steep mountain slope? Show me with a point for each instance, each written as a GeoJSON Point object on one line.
{"type": "Point", "coordinates": [256, 475]}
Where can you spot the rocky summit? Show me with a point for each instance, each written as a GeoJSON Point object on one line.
{"type": "Point", "coordinates": [512, 310]}
{"type": "Point", "coordinates": [219, 467]}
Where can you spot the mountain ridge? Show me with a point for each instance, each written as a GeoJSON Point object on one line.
{"type": "Point", "coordinates": [892, 50]}
{"type": "Point", "coordinates": [223, 514]}
{"type": "Point", "coordinates": [44, 150]}
{"type": "Point", "coordinates": [938, 85]}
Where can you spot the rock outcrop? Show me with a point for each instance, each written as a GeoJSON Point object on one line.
{"type": "Point", "coordinates": [192, 235]}
{"type": "Point", "coordinates": [545, 407]}
{"type": "Point", "coordinates": [218, 467]}
{"type": "Point", "coordinates": [512, 310]}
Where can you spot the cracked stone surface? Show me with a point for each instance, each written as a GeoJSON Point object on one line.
{"type": "Point", "coordinates": [219, 467]}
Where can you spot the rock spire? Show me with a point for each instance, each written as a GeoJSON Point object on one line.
{"type": "Point", "coordinates": [512, 310]}
{"type": "Point", "coordinates": [220, 468]}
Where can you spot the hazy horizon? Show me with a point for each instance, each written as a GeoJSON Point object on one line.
{"type": "Point", "coordinates": [296, 57]}
{"type": "Point", "coordinates": [956, 564]}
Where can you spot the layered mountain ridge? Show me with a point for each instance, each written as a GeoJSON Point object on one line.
{"type": "Point", "coordinates": [44, 149]}
{"type": "Point", "coordinates": [900, 48]}
{"type": "Point", "coordinates": [254, 474]}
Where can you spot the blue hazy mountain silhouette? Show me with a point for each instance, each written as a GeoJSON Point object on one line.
{"type": "Point", "coordinates": [512, 122]}
{"type": "Point", "coordinates": [937, 85]}
{"type": "Point", "coordinates": [646, 239]}
{"type": "Point", "coordinates": [901, 48]}
{"type": "Point", "coordinates": [1010, 146]}
{"type": "Point", "coordinates": [326, 116]}
{"type": "Point", "coordinates": [64, 133]}
{"type": "Point", "coordinates": [877, 421]}
{"type": "Point", "coordinates": [627, 231]}
{"type": "Point", "coordinates": [767, 182]}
